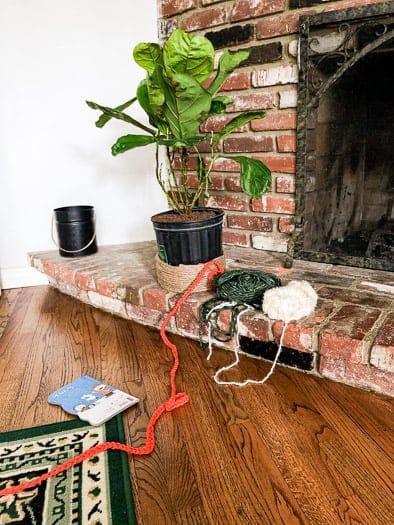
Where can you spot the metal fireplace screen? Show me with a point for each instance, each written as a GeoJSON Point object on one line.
{"type": "Point", "coordinates": [345, 139]}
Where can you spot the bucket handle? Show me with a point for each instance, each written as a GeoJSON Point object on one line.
{"type": "Point", "coordinates": [73, 251]}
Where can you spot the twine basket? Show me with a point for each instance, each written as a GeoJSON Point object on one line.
{"type": "Point", "coordinates": [178, 278]}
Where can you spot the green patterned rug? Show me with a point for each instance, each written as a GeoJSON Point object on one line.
{"type": "Point", "coordinates": [96, 492]}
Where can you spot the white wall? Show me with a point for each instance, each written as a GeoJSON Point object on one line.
{"type": "Point", "coordinates": [54, 56]}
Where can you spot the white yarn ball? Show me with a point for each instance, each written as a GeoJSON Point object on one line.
{"type": "Point", "coordinates": [291, 302]}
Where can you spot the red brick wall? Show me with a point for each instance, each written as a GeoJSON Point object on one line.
{"type": "Point", "coordinates": [268, 79]}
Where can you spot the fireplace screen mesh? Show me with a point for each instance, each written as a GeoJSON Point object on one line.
{"type": "Point", "coordinates": [345, 139]}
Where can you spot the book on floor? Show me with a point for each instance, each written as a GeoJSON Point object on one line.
{"type": "Point", "coordinates": [92, 400]}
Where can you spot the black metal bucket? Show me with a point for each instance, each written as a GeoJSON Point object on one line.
{"type": "Point", "coordinates": [189, 242]}
{"type": "Point", "coordinates": [76, 230]}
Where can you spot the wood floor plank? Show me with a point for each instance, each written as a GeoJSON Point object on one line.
{"type": "Point", "coordinates": [296, 450]}
{"type": "Point", "coordinates": [7, 304]}
{"type": "Point", "coordinates": [337, 400]}
{"type": "Point", "coordinates": [157, 474]}
{"type": "Point", "coordinates": [305, 424]}
{"type": "Point", "coordinates": [17, 327]}
{"type": "Point", "coordinates": [264, 492]}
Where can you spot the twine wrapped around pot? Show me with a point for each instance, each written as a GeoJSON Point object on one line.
{"type": "Point", "coordinates": [178, 278]}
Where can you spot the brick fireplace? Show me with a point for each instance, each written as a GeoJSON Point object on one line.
{"type": "Point", "coordinates": [345, 155]}
{"type": "Point", "coordinates": [269, 79]}
{"type": "Point", "coordinates": [350, 336]}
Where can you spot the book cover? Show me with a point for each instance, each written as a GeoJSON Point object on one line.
{"type": "Point", "coordinates": [92, 400]}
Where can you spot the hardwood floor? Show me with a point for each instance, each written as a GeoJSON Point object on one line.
{"type": "Point", "coordinates": [297, 450]}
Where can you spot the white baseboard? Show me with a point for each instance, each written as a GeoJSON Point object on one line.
{"type": "Point", "coordinates": [21, 277]}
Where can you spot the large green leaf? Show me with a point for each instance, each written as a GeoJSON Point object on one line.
{"type": "Point", "coordinates": [128, 142]}
{"type": "Point", "coordinates": [151, 98]}
{"type": "Point", "coordinates": [105, 118]}
{"type": "Point", "coordinates": [143, 97]}
{"type": "Point", "coordinates": [148, 55]}
{"type": "Point", "coordinates": [188, 54]}
{"type": "Point", "coordinates": [237, 122]}
{"type": "Point", "coordinates": [219, 104]}
{"type": "Point", "coordinates": [227, 63]}
{"type": "Point", "coordinates": [187, 104]}
{"type": "Point", "coordinates": [255, 175]}
{"type": "Point", "coordinates": [113, 113]}
{"type": "Point", "coordinates": [155, 116]}
{"type": "Point", "coordinates": [182, 143]}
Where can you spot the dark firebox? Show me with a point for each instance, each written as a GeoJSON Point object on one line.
{"type": "Point", "coordinates": [345, 148]}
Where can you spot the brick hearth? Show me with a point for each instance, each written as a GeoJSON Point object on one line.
{"type": "Point", "coordinates": [349, 338]}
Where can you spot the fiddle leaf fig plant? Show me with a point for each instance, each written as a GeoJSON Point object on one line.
{"type": "Point", "coordinates": [178, 94]}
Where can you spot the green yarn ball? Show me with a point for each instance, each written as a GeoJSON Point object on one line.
{"type": "Point", "coordinates": [245, 286]}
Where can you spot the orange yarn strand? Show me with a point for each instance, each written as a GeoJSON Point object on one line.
{"type": "Point", "coordinates": [176, 400]}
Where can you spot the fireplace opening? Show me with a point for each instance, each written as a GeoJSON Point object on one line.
{"type": "Point", "coordinates": [345, 139]}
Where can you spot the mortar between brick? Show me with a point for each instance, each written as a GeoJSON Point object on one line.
{"type": "Point", "coordinates": [370, 338]}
